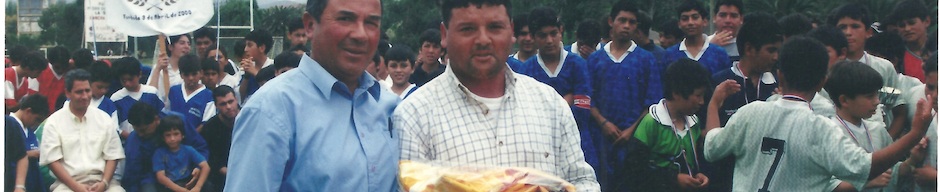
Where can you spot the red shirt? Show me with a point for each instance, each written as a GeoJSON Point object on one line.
{"type": "Point", "coordinates": [913, 66]}
{"type": "Point", "coordinates": [51, 85]}
{"type": "Point", "coordinates": [19, 91]}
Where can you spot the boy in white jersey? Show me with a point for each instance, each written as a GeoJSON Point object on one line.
{"type": "Point", "coordinates": [782, 145]}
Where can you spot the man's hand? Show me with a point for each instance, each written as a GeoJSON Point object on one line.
{"type": "Point", "coordinates": [725, 89]}
{"type": "Point", "coordinates": [918, 152]}
{"type": "Point", "coordinates": [192, 182]}
{"type": "Point", "coordinates": [162, 62]}
{"type": "Point", "coordinates": [703, 179]}
{"type": "Point", "coordinates": [880, 181]}
{"type": "Point", "coordinates": [722, 38]}
{"type": "Point", "coordinates": [611, 131]}
{"type": "Point", "coordinates": [248, 65]}
{"type": "Point", "coordinates": [923, 114]}
{"type": "Point", "coordinates": [687, 182]}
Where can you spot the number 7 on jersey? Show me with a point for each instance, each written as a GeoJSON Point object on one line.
{"type": "Point", "coordinates": [771, 146]}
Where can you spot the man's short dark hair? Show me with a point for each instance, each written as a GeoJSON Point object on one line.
{"type": "Point", "coordinates": [75, 75]}
{"type": "Point", "coordinates": [803, 62]}
{"type": "Point", "coordinates": [59, 56]}
{"type": "Point", "coordinates": [261, 38]}
{"type": "Point", "coordinates": [692, 5]}
{"type": "Point", "coordinates": [432, 36]}
{"type": "Point", "coordinates": [850, 79]}
{"type": "Point", "coordinates": [644, 23]}
{"type": "Point", "coordinates": [189, 64]}
{"type": "Point", "coordinates": [18, 53]}
{"type": "Point", "coordinates": [125, 66]}
{"type": "Point", "coordinates": [909, 9]}
{"type": "Point", "coordinates": [100, 72]}
{"type": "Point", "coordinates": [239, 48]}
{"type": "Point", "coordinates": [759, 29]}
{"type": "Point", "coordinates": [213, 47]}
{"type": "Point", "coordinates": [541, 17]}
{"type": "Point", "coordinates": [683, 77]}
{"type": "Point", "coordinates": [734, 3]}
{"type": "Point", "coordinates": [295, 24]}
{"type": "Point", "coordinates": [174, 40]}
{"type": "Point", "coordinates": [265, 74]}
{"type": "Point", "coordinates": [205, 32]}
{"type": "Point", "coordinates": [795, 24]}
{"type": "Point", "coordinates": [304, 48]}
{"type": "Point", "coordinates": [141, 114]}
{"type": "Point", "coordinates": [401, 53]}
{"type": "Point", "coordinates": [854, 11]}
{"type": "Point", "coordinates": [221, 91]}
{"type": "Point", "coordinates": [888, 45]}
{"type": "Point", "coordinates": [383, 46]}
{"type": "Point", "coordinates": [589, 31]}
{"type": "Point", "coordinates": [36, 103]}
{"type": "Point", "coordinates": [830, 36]}
{"type": "Point", "coordinates": [376, 59]}
{"type": "Point", "coordinates": [170, 123]}
{"type": "Point", "coordinates": [447, 6]}
{"type": "Point", "coordinates": [286, 59]}
{"type": "Point", "coordinates": [518, 22]}
{"type": "Point", "coordinates": [83, 58]}
{"type": "Point", "coordinates": [34, 61]}
{"type": "Point", "coordinates": [210, 65]}
{"type": "Point", "coordinates": [671, 28]}
{"type": "Point", "coordinates": [622, 5]}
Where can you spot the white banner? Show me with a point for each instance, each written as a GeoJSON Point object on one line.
{"type": "Point", "coordinates": [152, 17]}
{"type": "Point", "coordinates": [96, 27]}
{"type": "Point", "coordinates": [263, 4]}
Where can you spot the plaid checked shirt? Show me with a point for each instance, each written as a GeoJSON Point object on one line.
{"type": "Point", "coordinates": [534, 128]}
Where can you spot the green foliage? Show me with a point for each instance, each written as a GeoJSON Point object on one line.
{"type": "Point", "coordinates": [62, 24]}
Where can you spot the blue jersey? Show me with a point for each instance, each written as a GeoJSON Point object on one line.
{"type": "Point", "coordinates": [177, 165]}
{"type": "Point", "coordinates": [713, 57]}
{"type": "Point", "coordinates": [192, 106]}
{"type": "Point", "coordinates": [107, 106]}
{"type": "Point", "coordinates": [622, 90]}
{"type": "Point", "coordinates": [570, 76]}
{"type": "Point", "coordinates": [124, 99]}
{"type": "Point", "coordinates": [514, 64]}
{"type": "Point", "coordinates": [138, 153]}
{"type": "Point", "coordinates": [33, 178]}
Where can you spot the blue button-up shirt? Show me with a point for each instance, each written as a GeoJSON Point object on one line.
{"type": "Point", "coordinates": [305, 131]}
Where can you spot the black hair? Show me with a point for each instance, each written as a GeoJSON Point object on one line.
{"type": "Point", "coordinates": [400, 53]}
{"type": "Point", "coordinates": [286, 59]}
{"type": "Point", "coordinates": [447, 6]}
{"type": "Point", "coordinates": [239, 48]}
{"type": "Point", "coordinates": [141, 114]}
{"type": "Point", "coordinates": [220, 49]}
{"type": "Point", "coordinates": [541, 17]}
{"type": "Point", "coordinates": [518, 22]}
{"type": "Point", "coordinates": [759, 29]}
{"type": "Point", "coordinates": [265, 74]}
{"type": "Point", "coordinates": [622, 5]}
{"type": "Point", "coordinates": [34, 61]}
{"type": "Point", "coordinates": [888, 45]}
{"type": "Point", "coordinates": [261, 38]}
{"type": "Point", "coordinates": [692, 5]}
{"type": "Point", "coordinates": [58, 56]}
{"type": "Point", "coordinates": [83, 58]}
{"type": "Point", "coordinates": [803, 63]}
{"type": "Point", "coordinates": [304, 48]}
{"type": "Point", "coordinates": [930, 65]}
{"type": "Point", "coordinates": [643, 23]}
{"type": "Point", "coordinates": [376, 59]}
{"type": "Point", "coordinates": [850, 79]}
{"type": "Point", "coordinates": [683, 77]}
{"type": "Point", "coordinates": [174, 40]}
{"type": "Point", "coordinates": [204, 32]}
{"type": "Point", "coordinates": [854, 11]}
{"type": "Point", "coordinates": [295, 24]}
{"type": "Point", "coordinates": [931, 45]}
{"type": "Point", "coordinates": [36, 103]}
{"type": "Point", "coordinates": [222, 91]}
{"type": "Point", "coordinates": [795, 24]}
{"type": "Point", "coordinates": [208, 64]}
{"type": "Point", "coordinates": [315, 8]}
{"type": "Point", "coordinates": [909, 9]}
{"type": "Point", "coordinates": [189, 64]}
{"type": "Point", "coordinates": [432, 36]}
{"type": "Point", "coordinates": [100, 72]}
{"type": "Point", "coordinates": [383, 47]}
{"type": "Point", "coordinates": [170, 123]}
{"type": "Point", "coordinates": [735, 3]}
{"type": "Point", "coordinates": [671, 28]}
{"type": "Point", "coordinates": [589, 31]}
{"type": "Point", "coordinates": [75, 75]}
{"type": "Point", "coordinates": [18, 53]}
{"type": "Point", "coordinates": [126, 66]}
{"type": "Point", "coordinates": [830, 36]}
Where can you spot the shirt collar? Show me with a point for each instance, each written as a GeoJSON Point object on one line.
{"type": "Point", "coordinates": [661, 115]}
{"type": "Point", "coordinates": [766, 78]}
{"type": "Point", "coordinates": [73, 116]}
{"type": "Point", "coordinates": [19, 121]}
{"type": "Point", "coordinates": [561, 63]}
{"type": "Point", "coordinates": [683, 48]}
{"type": "Point", "coordinates": [790, 104]}
{"type": "Point", "coordinates": [325, 82]}
{"type": "Point", "coordinates": [510, 84]}
{"type": "Point", "coordinates": [618, 60]}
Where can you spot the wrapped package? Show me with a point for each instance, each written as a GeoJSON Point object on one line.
{"type": "Point", "coordinates": [425, 177]}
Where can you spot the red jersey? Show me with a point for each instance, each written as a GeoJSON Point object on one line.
{"type": "Point", "coordinates": [51, 85]}
{"type": "Point", "coordinates": [913, 66]}
{"type": "Point", "coordinates": [17, 87]}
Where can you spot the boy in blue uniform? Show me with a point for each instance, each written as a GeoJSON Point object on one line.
{"type": "Point", "coordinates": [127, 70]}
{"type": "Point", "coordinates": [100, 83]}
{"type": "Point", "coordinates": [191, 98]}
{"type": "Point", "coordinates": [33, 109]}
{"type": "Point", "coordinates": [693, 17]}
{"type": "Point", "coordinates": [141, 144]}
{"type": "Point", "coordinates": [174, 162]}
{"type": "Point", "coordinates": [588, 36]}
{"type": "Point", "coordinates": [625, 81]}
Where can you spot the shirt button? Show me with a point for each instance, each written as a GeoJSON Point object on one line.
{"type": "Point", "coordinates": [500, 143]}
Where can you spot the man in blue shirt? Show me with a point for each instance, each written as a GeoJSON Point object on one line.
{"type": "Point", "coordinates": [692, 20]}
{"type": "Point", "coordinates": [323, 126]}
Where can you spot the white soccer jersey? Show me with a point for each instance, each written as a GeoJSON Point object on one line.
{"type": "Point", "coordinates": [877, 138]}
{"type": "Point", "coordinates": [783, 146]}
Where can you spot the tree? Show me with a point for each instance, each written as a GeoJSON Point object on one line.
{"type": "Point", "coordinates": [63, 24]}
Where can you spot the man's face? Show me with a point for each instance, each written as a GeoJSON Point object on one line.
{"type": "Point", "coordinates": [429, 52]}
{"type": "Point", "coordinates": [202, 44]}
{"type": "Point", "coordinates": [347, 36]}
{"type": "Point", "coordinates": [131, 82]}
{"type": "Point", "coordinates": [227, 105]}
{"type": "Point", "coordinates": [766, 56]}
{"type": "Point", "coordinates": [400, 71]}
{"type": "Point", "coordinates": [210, 78]}
{"type": "Point", "coordinates": [729, 18]}
{"type": "Point", "coordinates": [297, 37]}
{"type": "Point", "coordinates": [181, 47]}
{"type": "Point", "coordinates": [913, 29]}
{"type": "Point", "coordinates": [99, 88]}
{"type": "Point", "coordinates": [622, 26]}
{"type": "Point", "coordinates": [691, 22]}
{"type": "Point", "coordinates": [478, 39]}
{"type": "Point", "coordinates": [254, 50]}
{"type": "Point", "coordinates": [80, 95]}
{"type": "Point", "coordinates": [191, 80]}
{"type": "Point", "coordinates": [524, 39]}
{"type": "Point", "coordinates": [548, 40]}
{"type": "Point", "coordinates": [855, 32]}
{"type": "Point", "coordinates": [667, 40]}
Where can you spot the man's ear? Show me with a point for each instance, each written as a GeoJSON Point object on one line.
{"type": "Point", "coordinates": [444, 35]}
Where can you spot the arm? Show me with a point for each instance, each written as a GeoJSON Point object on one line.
{"type": "Point", "coordinates": [260, 136]}
{"type": "Point", "coordinates": [844, 187]}
{"type": "Point", "coordinates": [569, 98]}
{"type": "Point", "coordinates": [883, 159]}
{"type": "Point", "coordinates": [22, 166]}
{"type": "Point", "coordinates": [897, 124]}
{"type": "Point", "coordinates": [33, 154]}
{"type": "Point", "coordinates": [165, 181]}
{"type": "Point", "coordinates": [202, 175]}
{"type": "Point", "coordinates": [625, 135]}
{"type": "Point", "coordinates": [63, 176]}
{"type": "Point", "coordinates": [722, 91]}
{"type": "Point", "coordinates": [608, 128]}
{"type": "Point", "coordinates": [243, 90]}
{"type": "Point", "coordinates": [413, 146]}
{"type": "Point", "coordinates": [575, 169]}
